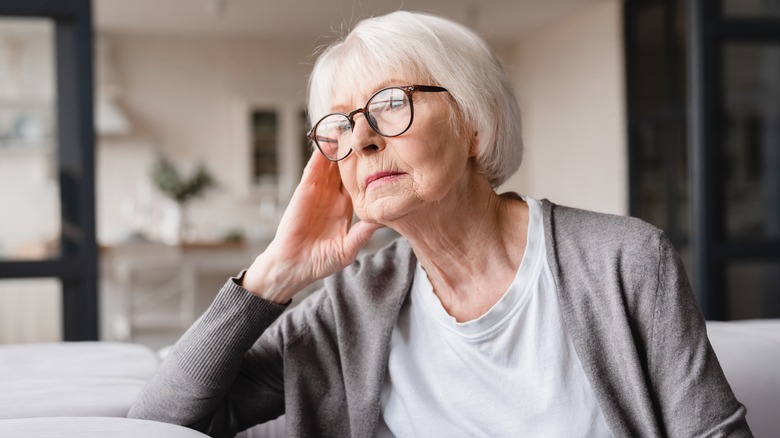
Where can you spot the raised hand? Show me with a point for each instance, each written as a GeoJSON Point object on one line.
{"type": "Point", "coordinates": [315, 237]}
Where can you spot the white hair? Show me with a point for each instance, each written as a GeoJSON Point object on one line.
{"type": "Point", "coordinates": [423, 47]}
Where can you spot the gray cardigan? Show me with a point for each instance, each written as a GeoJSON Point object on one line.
{"type": "Point", "coordinates": [625, 299]}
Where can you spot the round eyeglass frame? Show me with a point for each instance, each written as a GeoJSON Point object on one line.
{"type": "Point", "coordinates": [409, 90]}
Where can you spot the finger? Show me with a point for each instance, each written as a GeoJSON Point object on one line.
{"type": "Point", "coordinates": [322, 172]}
{"type": "Point", "coordinates": [313, 167]}
{"type": "Point", "coordinates": [314, 179]}
{"type": "Point", "coordinates": [312, 159]}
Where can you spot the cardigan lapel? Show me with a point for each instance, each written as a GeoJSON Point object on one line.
{"type": "Point", "coordinates": [594, 323]}
{"type": "Point", "coordinates": [364, 362]}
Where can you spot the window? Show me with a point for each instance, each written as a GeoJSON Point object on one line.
{"type": "Point", "coordinates": [28, 159]}
{"type": "Point", "coordinates": [71, 259]}
{"type": "Point", "coordinates": [265, 127]}
{"type": "Point", "coordinates": [278, 149]}
{"type": "Point", "coordinates": [704, 141]}
{"type": "Point", "coordinates": [658, 152]}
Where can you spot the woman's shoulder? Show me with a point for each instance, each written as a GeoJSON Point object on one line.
{"type": "Point", "coordinates": [609, 256]}
{"type": "Point", "coordinates": [597, 243]}
{"type": "Point", "coordinates": [594, 229]}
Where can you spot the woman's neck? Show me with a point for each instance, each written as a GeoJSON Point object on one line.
{"type": "Point", "coordinates": [470, 244]}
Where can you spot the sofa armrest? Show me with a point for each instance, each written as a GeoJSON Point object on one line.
{"type": "Point", "coordinates": [92, 427]}
{"type": "Point", "coordinates": [72, 378]}
{"type": "Point", "coordinates": [749, 353]}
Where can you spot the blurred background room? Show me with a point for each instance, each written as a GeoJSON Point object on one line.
{"type": "Point", "coordinates": [148, 147]}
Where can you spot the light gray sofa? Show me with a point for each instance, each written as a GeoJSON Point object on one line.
{"type": "Point", "coordinates": [85, 389]}
{"type": "Point", "coordinates": [96, 379]}
{"type": "Point", "coordinates": [77, 389]}
{"type": "Point", "coordinates": [749, 352]}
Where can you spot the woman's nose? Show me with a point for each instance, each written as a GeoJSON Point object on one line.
{"type": "Point", "coordinates": [364, 139]}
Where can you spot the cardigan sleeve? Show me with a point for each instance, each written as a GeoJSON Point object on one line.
{"type": "Point", "coordinates": [693, 396]}
{"type": "Point", "coordinates": [208, 382]}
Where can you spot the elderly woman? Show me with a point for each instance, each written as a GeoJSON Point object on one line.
{"type": "Point", "coordinates": [493, 315]}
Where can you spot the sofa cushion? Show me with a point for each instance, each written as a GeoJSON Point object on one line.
{"type": "Point", "coordinates": [92, 427]}
{"type": "Point", "coordinates": [749, 352]}
{"type": "Point", "coordinates": [72, 379]}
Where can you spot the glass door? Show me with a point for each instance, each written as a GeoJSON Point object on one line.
{"type": "Point", "coordinates": [48, 254]}
{"type": "Point", "coordinates": [735, 142]}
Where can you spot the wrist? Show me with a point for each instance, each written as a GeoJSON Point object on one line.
{"type": "Point", "coordinates": [270, 280]}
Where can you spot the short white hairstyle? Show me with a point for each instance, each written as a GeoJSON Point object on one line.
{"type": "Point", "coordinates": [425, 47]}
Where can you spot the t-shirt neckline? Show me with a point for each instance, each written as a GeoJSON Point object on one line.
{"type": "Point", "coordinates": [511, 301]}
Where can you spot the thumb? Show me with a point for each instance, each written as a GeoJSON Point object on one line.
{"type": "Point", "coordinates": [358, 236]}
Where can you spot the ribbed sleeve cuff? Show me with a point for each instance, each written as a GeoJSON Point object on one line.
{"type": "Point", "coordinates": [212, 349]}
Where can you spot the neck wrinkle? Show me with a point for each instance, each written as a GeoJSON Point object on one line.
{"type": "Point", "coordinates": [466, 238]}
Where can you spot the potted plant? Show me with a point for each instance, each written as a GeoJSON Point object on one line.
{"type": "Point", "coordinates": [180, 189]}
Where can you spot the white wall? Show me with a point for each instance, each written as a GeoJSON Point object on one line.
{"type": "Point", "coordinates": [569, 79]}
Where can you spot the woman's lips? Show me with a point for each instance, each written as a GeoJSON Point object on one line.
{"type": "Point", "coordinates": [382, 177]}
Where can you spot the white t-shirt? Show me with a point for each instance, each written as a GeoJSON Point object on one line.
{"type": "Point", "coordinates": [511, 372]}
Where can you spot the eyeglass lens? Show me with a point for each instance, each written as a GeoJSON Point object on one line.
{"type": "Point", "coordinates": [388, 112]}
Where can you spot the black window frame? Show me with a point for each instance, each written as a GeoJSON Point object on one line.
{"type": "Point", "coordinates": [77, 265]}
{"type": "Point", "coordinates": [708, 32]}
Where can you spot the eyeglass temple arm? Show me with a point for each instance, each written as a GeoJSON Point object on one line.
{"type": "Point", "coordinates": [429, 88]}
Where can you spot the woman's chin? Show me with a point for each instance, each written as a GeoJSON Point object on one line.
{"type": "Point", "coordinates": [385, 211]}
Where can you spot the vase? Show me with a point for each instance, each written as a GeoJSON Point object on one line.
{"type": "Point", "coordinates": [176, 228]}
{"type": "Point", "coordinates": [186, 230]}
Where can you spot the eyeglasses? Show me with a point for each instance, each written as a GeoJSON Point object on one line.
{"type": "Point", "coordinates": [389, 112]}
